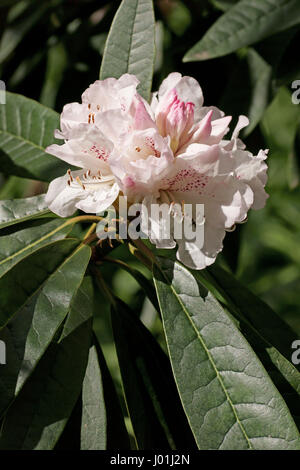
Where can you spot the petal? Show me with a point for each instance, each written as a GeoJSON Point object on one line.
{"type": "Point", "coordinates": [72, 116]}
{"type": "Point", "coordinates": [90, 151]}
{"type": "Point", "coordinates": [113, 124]}
{"type": "Point", "coordinates": [61, 198]}
{"type": "Point", "coordinates": [187, 89]}
{"type": "Point", "coordinates": [99, 200]}
{"type": "Point", "coordinates": [243, 121]}
{"type": "Point", "coordinates": [253, 171]}
{"type": "Point", "coordinates": [111, 93]}
{"type": "Point", "coordinates": [155, 225]}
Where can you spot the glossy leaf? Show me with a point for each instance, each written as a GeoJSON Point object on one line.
{"type": "Point", "coordinates": [93, 427]}
{"type": "Point", "coordinates": [20, 283]}
{"type": "Point", "coordinates": [130, 44]}
{"type": "Point", "coordinates": [39, 414]}
{"type": "Point", "coordinates": [228, 397]}
{"type": "Point", "coordinates": [26, 129]}
{"type": "Point", "coordinates": [145, 283]}
{"type": "Point", "coordinates": [17, 245]}
{"type": "Point", "coordinates": [15, 211]}
{"type": "Point", "coordinates": [116, 432]}
{"type": "Point", "coordinates": [247, 22]}
{"type": "Point", "coordinates": [28, 335]}
{"type": "Point", "coordinates": [152, 400]}
{"type": "Point", "coordinates": [253, 97]}
{"type": "Point", "coordinates": [270, 337]}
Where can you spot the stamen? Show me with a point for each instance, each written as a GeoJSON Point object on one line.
{"type": "Point", "coordinates": [70, 175]}
{"type": "Point", "coordinates": [80, 182]}
{"type": "Point", "coordinates": [171, 207]}
{"type": "Point", "coordinates": [182, 207]}
{"type": "Point", "coordinates": [91, 118]}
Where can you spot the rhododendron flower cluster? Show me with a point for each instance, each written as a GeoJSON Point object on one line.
{"type": "Point", "coordinates": [172, 151]}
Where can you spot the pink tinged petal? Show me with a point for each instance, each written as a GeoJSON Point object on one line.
{"type": "Point", "coordinates": [219, 129]}
{"type": "Point", "coordinates": [187, 89]}
{"type": "Point", "coordinates": [216, 112]}
{"type": "Point", "coordinates": [203, 130]}
{"type": "Point", "coordinates": [242, 122]}
{"type": "Point", "coordinates": [174, 118]}
{"type": "Point", "coordinates": [128, 182]}
{"type": "Point", "coordinates": [168, 83]}
{"type": "Point", "coordinates": [91, 151]}
{"type": "Point", "coordinates": [142, 119]}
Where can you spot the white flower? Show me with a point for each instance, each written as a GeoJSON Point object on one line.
{"type": "Point", "coordinates": [94, 188]}
{"type": "Point", "coordinates": [172, 152]}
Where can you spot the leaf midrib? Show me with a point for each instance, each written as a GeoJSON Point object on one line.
{"type": "Point", "coordinates": [75, 250]}
{"type": "Point", "coordinates": [36, 242]}
{"type": "Point", "coordinates": [211, 360]}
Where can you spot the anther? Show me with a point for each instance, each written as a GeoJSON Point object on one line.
{"type": "Point", "coordinates": [70, 175]}
{"type": "Point", "coordinates": [80, 182]}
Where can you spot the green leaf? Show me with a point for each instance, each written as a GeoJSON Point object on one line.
{"type": "Point", "coordinates": [26, 278]}
{"type": "Point", "coordinates": [15, 211]}
{"type": "Point", "coordinates": [154, 407]}
{"type": "Point", "coordinates": [224, 5]}
{"type": "Point", "coordinates": [130, 46]}
{"type": "Point", "coordinates": [145, 283]}
{"type": "Point", "coordinates": [261, 316]}
{"type": "Point", "coordinates": [253, 97]}
{"type": "Point", "coordinates": [247, 22]}
{"type": "Point", "coordinates": [29, 333]}
{"type": "Point", "coordinates": [56, 64]}
{"type": "Point", "coordinates": [39, 414]}
{"type": "Point", "coordinates": [17, 245]}
{"type": "Point", "coordinates": [270, 337]}
{"type": "Point", "coordinates": [93, 428]}
{"type": "Point", "coordinates": [228, 397]}
{"type": "Point", "coordinates": [116, 432]}
{"type": "Point", "coordinates": [26, 129]}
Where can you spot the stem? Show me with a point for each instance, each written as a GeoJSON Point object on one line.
{"type": "Point", "coordinates": [102, 284]}
{"type": "Point", "coordinates": [89, 232]}
{"type": "Point", "coordinates": [142, 252]}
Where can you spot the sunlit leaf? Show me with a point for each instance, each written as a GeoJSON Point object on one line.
{"type": "Point", "coordinates": [130, 44]}
{"type": "Point", "coordinates": [247, 22]}
{"type": "Point", "coordinates": [26, 129]}
{"type": "Point", "coordinates": [14, 211]}
{"type": "Point", "coordinates": [17, 245]}
{"type": "Point", "coordinates": [228, 397]}
{"type": "Point", "coordinates": [93, 427]}
{"type": "Point", "coordinates": [40, 412]}
{"type": "Point", "coordinates": [153, 404]}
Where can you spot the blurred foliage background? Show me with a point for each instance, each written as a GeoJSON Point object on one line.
{"type": "Point", "coordinates": [51, 50]}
